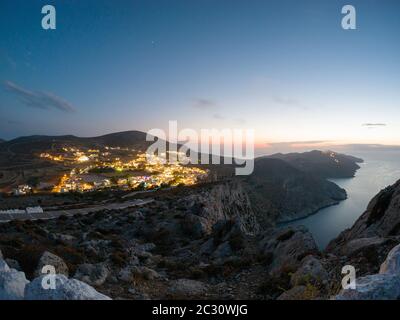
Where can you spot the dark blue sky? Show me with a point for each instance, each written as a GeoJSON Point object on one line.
{"type": "Point", "coordinates": [285, 68]}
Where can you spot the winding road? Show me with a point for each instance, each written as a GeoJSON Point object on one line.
{"type": "Point", "coordinates": [5, 217]}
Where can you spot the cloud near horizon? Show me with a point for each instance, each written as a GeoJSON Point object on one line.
{"type": "Point", "coordinates": [39, 99]}
{"type": "Point", "coordinates": [310, 143]}
{"type": "Point", "coordinates": [373, 125]}
{"type": "Point", "coordinates": [289, 102]}
{"type": "Point", "coordinates": [218, 116]}
{"type": "Point", "coordinates": [202, 103]}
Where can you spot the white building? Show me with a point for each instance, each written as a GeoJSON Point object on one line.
{"type": "Point", "coordinates": [34, 210]}
{"type": "Point", "coordinates": [30, 210]}
{"type": "Point", "coordinates": [12, 211]}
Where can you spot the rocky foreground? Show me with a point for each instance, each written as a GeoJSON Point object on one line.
{"type": "Point", "coordinates": [205, 242]}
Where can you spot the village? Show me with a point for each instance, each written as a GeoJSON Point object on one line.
{"type": "Point", "coordinates": [111, 168]}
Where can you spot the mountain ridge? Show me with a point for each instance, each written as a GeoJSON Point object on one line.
{"type": "Point", "coordinates": [327, 164]}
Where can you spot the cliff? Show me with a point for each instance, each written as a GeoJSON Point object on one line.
{"type": "Point", "coordinates": [280, 193]}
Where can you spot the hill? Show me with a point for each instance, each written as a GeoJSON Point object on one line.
{"type": "Point", "coordinates": [326, 164]}
{"type": "Point", "coordinates": [280, 192]}
{"type": "Point", "coordinates": [38, 143]}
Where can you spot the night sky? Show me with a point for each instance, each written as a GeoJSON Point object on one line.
{"type": "Point", "coordinates": [284, 68]}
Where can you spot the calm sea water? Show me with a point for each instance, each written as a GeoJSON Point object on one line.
{"type": "Point", "coordinates": [379, 170]}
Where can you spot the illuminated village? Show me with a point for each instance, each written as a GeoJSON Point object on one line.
{"type": "Point", "coordinates": [120, 168]}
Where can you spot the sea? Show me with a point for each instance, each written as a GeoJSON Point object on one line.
{"type": "Point", "coordinates": [380, 169]}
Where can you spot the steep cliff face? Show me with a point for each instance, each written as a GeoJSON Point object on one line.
{"type": "Point", "coordinates": [380, 220]}
{"type": "Point", "coordinates": [280, 192]}
{"type": "Point", "coordinates": [367, 244]}
{"type": "Point", "coordinates": [275, 192]}
{"type": "Point", "coordinates": [222, 202]}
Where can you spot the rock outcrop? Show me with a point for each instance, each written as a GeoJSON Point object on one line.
{"type": "Point", "coordinates": [15, 286]}
{"type": "Point", "coordinates": [65, 289]}
{"type": "Point", "coordinates": [222, 202]}
{"type": "Point", "coordinates": [392, 262]}
{"type": "Point", "coordinates": [311, 272]}
{"type": "Point", "coordinates": [373, 287]}
{"type": "Point", "coordinates": [372, 241]}
{"type": "Point", "coordinates": [382, 286]}
{"type": "Point", "coordinates": [286, 248]}
{"type": "Point", "coordinates": [92, 274]}
{"type": "Point", "coordinates": [3, 266]}
{"type": "Point", "coordinates": [381, 219]}
{"type": "Point", "coordinates": [12, 283]}
{"type": "Point", "coordinates": [50, 259]}
{"type": "Point", "coordinates": [187, 288]}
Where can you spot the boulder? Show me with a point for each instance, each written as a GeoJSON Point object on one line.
{"type": "Point", "coordinates": [145, 272]}
{"type": "Point", "coordinates": [288, 247]}
{"type": "Point", "coordinates": [195, 226]}
{"type": "Point", "coordinates": [373, 287]}
{"type": "Point", "coordinates": [142, 250]}
{"type": "Point", "coordinates": [392, 262]}
{"type": "Point", "coordinates": [186, 287]}
{"type": "Point", "coordinates": [382, 286]}
{"type": "Point", "coordinates": [98, 247]}
{"type": "Point", "coordinates": [65, 289]}
{"type": "Point", "coordinates": [126, 274]}
{"type": "Point", "coordinates": [311, 271]}
{"type": "Point", "coordinates": [50, 259]}
{"type": "Point", "coordinates": [92, 274]}
{"type": "Point", "coordinates": [12, 284]}
{"type": "Point", "coordinates": [3, 266]}
{"type": "Point", "coordinates": [65, 238]}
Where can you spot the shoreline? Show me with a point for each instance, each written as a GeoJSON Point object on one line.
{"type": "Point", "coordinates": [288, 222]}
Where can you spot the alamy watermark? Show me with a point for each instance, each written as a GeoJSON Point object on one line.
{"type": "Point", "coordinates": [49, 18]}
{"type": "Point", "coordinates": [349, 21]}
{"type": "Point", "coordinates": [349, 280]}
{"type": "Point", "coordinates": [49, 278]}
{"type": "Point", "coordinates": [209, 146]}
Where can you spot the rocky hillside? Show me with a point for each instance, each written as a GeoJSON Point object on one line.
{"type": "Point", "coordinates": [371, 246]}
{"type": "Point", "coordinates": [203, 242]}
{"type": "Point", "coordinates": [32, 144]}
{"type": "Point", "coordinates": [381, 219]}
{"type": "Point", "coordinates": [188, 244]}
